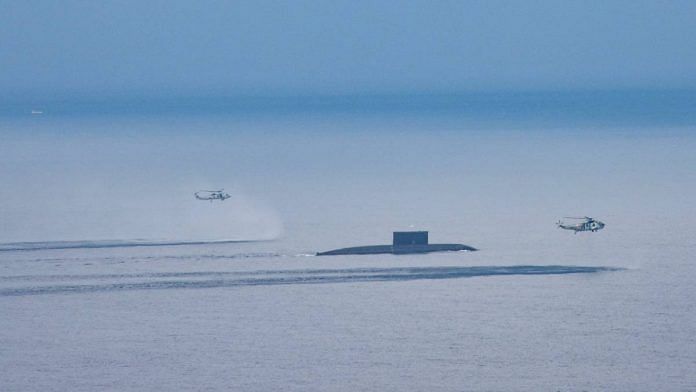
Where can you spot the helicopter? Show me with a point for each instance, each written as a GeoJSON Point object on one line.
{"type": "Point", "coordinates": [589, 224]}
{"type": "Point", "coordinates": [212, 195]}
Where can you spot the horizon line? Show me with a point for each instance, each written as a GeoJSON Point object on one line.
{"type": "Point", "coordinates": [135, 96]}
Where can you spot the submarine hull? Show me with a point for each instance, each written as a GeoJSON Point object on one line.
{"type": "Point", "coordinates": [397, 250]}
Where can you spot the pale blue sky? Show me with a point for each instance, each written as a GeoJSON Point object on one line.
{"type": "Point", "coordinates": [63, 49]}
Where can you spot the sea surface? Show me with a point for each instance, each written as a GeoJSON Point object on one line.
{"type": "Point", "coordinates": [114, 277]}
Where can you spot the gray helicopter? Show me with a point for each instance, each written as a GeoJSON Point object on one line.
{"type": "Point", "coordinates": [212, 195]}
{"type": "Point", "coordinates": [589, 224]}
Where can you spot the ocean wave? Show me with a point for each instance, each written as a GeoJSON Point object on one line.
{"type": "Point", "coordinates": [223, 279]}
{"type": "Point", "coordinates": [149, 258]}
{"type": "Point", "coordinates": [53, 245]}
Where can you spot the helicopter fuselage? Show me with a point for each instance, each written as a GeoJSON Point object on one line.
{"type": "Point", "coordinates": [589, 224]}
{"type": "Point", "coordinates": [211, 195]}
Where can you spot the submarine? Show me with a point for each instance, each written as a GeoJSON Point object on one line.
{"type": "Point", "coordinates": [404, 242]}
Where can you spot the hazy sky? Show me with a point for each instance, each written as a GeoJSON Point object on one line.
{"type": "Point", "coordinates": [57, 49]}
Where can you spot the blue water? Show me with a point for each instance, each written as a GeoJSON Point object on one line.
{"type": "Point", "coordinates": [85, 308]}
{"type": "Point", "coordinates": [633, 107]}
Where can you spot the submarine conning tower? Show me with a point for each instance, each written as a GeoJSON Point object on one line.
{"type": "Point", "coordinates": [407, 238]}
{"type": "Point", "coordinates": [403, 242]}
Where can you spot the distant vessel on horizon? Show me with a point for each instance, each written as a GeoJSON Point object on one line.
{"type": "Point", "coordinates": [36, 112]}
{"type": "Point", "coordinates": [404, 242]}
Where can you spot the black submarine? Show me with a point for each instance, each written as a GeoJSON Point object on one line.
{"type": "Point", "coordinates": [404, 242]}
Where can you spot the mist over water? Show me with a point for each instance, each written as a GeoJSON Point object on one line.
{"type": "Point", "coordinates": [105, 181]}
